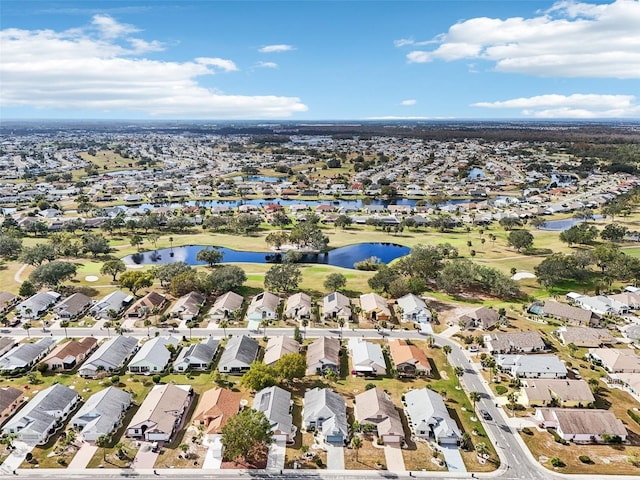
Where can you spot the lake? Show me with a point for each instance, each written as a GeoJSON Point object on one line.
{"type": "Point", "coordinates": [567, 223]}
{"type": "Point", "coordinates": [338, 257]}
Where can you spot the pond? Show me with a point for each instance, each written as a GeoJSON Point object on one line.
{"type": "Point", "coordinates": [567, 223]}
{"type": "Point", "coordinates": [338, 257]}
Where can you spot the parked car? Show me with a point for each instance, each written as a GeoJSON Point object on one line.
{"type": "Point", "coordinates": [486, 415]}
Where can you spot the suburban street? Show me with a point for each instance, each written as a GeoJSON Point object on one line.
{"type": "Point", "coordinates": [516, 461]}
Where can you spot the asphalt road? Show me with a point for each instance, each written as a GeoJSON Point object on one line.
{"type": "Point", "coordinates": [516, 460]}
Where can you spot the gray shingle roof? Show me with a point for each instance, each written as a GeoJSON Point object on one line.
{"type": "Point", "coordinates": [242, 348]}
{"type": "Point", "coordinates": [102, 411]}
{"type": "Point", "coordinates": [199, 353]}
{"type": "Point", "coordinates": [275, 402]}
{"type": "Point", "coordinates": [112, 353]}
{"type": "Point", "coordinates": [25, 353]}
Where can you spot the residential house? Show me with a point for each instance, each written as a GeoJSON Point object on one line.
{"type": "Point", "coordinates": [279, 346]}
{"type": "Point", "coordinates": [483, 318]}
{"type": "Point", "coordinates": [581, 425]}
{"type": "Point", "coordinates": [569, 314]}
{"type": "Point", "coordinates": [531, 366]}
{"type": "Point", "coordinates": [263, 306]}
{"type": "Point", "coordinates": [6, 344]}
{"type": "Point", "coordinates": [39, 418]}
{"type": "Point", "coordinates": [153, 356]}
{"type": "Point", "coordinates": [367, 357]}
{"type": "Point", "coordinates": [73, 306]}
{"type": "Point", "coordinates": [375, 407]}
{"type": "Point", "coordinates": [323, 355]}
{"type": "Point", "coordinates": [109, 357]}
{"type": "Point", "coordinates": [409, 360]}
{"type": "Point", "coordinates": [298, 306]}
{"type": "Point", "coordinates": [429, 418]}
{"type": "Point", "coordinates": [7, 302]}
{"type": "Point", "coordinates": [37, 305]}
{"type": "Point", "coordinates": [630, 299]}
{"type": "Point", "coordinates": [26, 355]}
{"type": "Point", "coordinates": [152, 301]}
{"type": "Point", "coordinates": [276, 404]}
{"type": "Point", "coordinates": [374, 307]}
{"type": "Point", "coordinates": [215, 407]}
{"type": "Point", "coordinates": [412, 308]}
{"type": "Point", "coordinates": [563, 393]}
{"type": "Point", "coordinates": [630, 382]}
{"type": "Point", "coordinates": [238, 354]}
{"type": "Point", "coordinates": [585, 336]}
{"type": "Point", "coordinates": [601, 305]}
{"type": "Point", "coordinates": [160, 413]}
{"type": "Point", "coordinates": [111, 305]}
{"type": "Point", "coordinates": [515, 342]}
{"type": "Point", "coordinates": [68, 355]}
{"type": "Point", "coordinates": [616, 360]}
{"type": "Point", "coordinates": [336, 306]}
{"type": "Point", "coordinates": [101, 414]}
{"type": "Point", "coordinates": [197, 356]}
{"type": "Point", "coordinates": [187, 306]}
{"type": "Point", "coordinates": [326, 412]}
{"type": "Point", "coordinates": [225, 306]}
{"type": "Point", "coordinates": [10, 399]}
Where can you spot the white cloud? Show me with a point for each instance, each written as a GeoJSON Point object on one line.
{"type": "Point", "coordinates": [267, 65]}
{"type": "Point", "coordinates": [571, 106]}
{"type": "Point", "coordinates": [571, 39]}
{"type": "Point", "coordinates": [102, 70]}
{"type": "Point", "coordinates": [221, 63]}
{"type": "Point", "coordinates": [276, 48]}
{"type": "Point", "coordinates": [408, 102]}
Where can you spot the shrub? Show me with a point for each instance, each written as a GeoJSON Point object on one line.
{"type": "Point", "coordinates": [319, 462]}
{"type": "Point", "coordinates": [585, 459]}
{"type": "Point", "coordinates": [527, 431]}
{"type": "Point", "coordinates": [369, 386]}
{"type": "Point", "coordinates": [156, 379]}
{"type": "Point", "coordinates": [501, 390]}
{"type": "Point", "coordinates": [634, 416]}
{"type": "Point", "coordinates": [61, 461]}
{"type": "Point", "coordinates": [556, 462]}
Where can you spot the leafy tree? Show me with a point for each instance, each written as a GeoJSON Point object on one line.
{"type": "Point", "coordinates": [259, 376]}
{"type": "Point", "coordinates": [606, 255]}
{"type": "Point", "coordinates": [165, 273]}
{"type": "Point", "coordinates": [426, 261]}
{"type": "Point", "coordinates": [245, 223]}
{"type": "Point", "coordinates": [335, 281]}
{"type": "Point", "coordinates": [210, 256]}
{"type": "Point", "coordinates": [134, 280]}
{"type": "Point", "coordinates": [582, 234]}
{"type": "Point", "coordinates": [520, 239]}
{"type": "Point", "coordinates": [95, 244]}
{"type": "Point", "coordinates": [27, 289]}
{"type": "Point", "coordinates": [38, 254]}
{"type": "Point", "coordinates": [343, 221]}
{"type": "Point", "coordinates": [284, 277]}
{"type": "Point", "coordinates": [191, 281]}
{"type": "Point", "coordinates": [383, 278]}
{"type": "Point", "coordinates": [309, 235]}
{"type": "Point", "coordinates": [290, 366]}
{"type": "Point", "coordinates": [280, 219]}
{"type": "Point", "coordinates": [247, 435]}
{"type": "Point", "coordinates": [103, 442]}
{"type": "Point", "coordinates": [10, 246]}
{"type": "Point", "coordinates": [614, 232]}
{"type": "Point", "coordinates": [277, 239]}
{"type": "Point", "coordinates": [228, 278]}
{"type": "Point", "coordinates": [113, 268]}
{"type": "Point", "coordinates": [555, 269]}
{"type": "Point", "coordinates": [136, 240]}
{"type": "Point", "coordinates": [509, 223]}
{"type": "Point", "coordinates": [53, 273]}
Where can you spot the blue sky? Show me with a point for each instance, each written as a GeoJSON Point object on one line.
{"type": "Point", "coordinates": [320, 60]}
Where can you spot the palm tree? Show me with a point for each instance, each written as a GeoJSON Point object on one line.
{"type": "Point", "coordinates": [466, 438]}
{"type": "Point", "coordinates": [103, 442]}
{"type": "Point", "coordinates": [190, 325]}
{"type": "Point", "coordinates": [305, 322]}
{"type": "Point", "coordinates": [223, 325]}
{"type": "Point", "coordinates": [108, 325]}
{"type": "Point", "coordinates": [513, 399]}
{"type": "Point", "coordinates": [459, 371]}
{"type": "Point", "coordinates": [341, 324]}
{"type": "Point", "coordinates": [481, 448]}
{"type": "Point", "coordinates": [64, 324]}
{"type": "Point", "coordinates": [147, 323]}
{"type": "Point", "coordinates": [264, 324]}
{"type": "Point", "coordinates": [171, 242]}
{"type": "Point", "coordinates": [356, 443]}
{"type": "Point", "coordinates": [447, 350]}
{"type": "Point", "coordinates": [475, 397]}
{"type": "Point", "coordinates": [27, 326]}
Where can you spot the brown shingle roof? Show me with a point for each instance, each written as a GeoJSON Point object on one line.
{"type": "Point", "coordinates": [403, 353]}
{"type": "Point", "coordinates": [215, 407]}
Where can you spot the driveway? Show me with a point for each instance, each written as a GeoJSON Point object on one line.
{"type": "Point", "coordinates": [145, 458]}
{"type": "Point", "coordinates": [275, 459]}
{"type": "Point", "coordinates": [213, 457]}
{"type": "Point", "coordinates": [393, 457]}
{"type": "Point", "coordinates": [83, 456]}
{"type": "Point", "coordinates": [13, 461]}
{"type": "Point", "coordinates": [335, 457]}
{"type": "Point", "coordinates": [453, 458]}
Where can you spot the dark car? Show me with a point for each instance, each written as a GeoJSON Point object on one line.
{"type": "Point", "coordinates": [485, 415]}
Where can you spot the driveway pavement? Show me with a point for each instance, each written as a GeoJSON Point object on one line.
{"type": "Point", "coordinates": [83, 456]}
{"type": "Point", "coordinates": [275, 460]}
{"type": "Point", "coordinates": [145, 458]}
{"type": "Point", "coordinates": [453, 458]}
{"type": "Point", "coordinates": [13, 461]}
{"type": "Point", "coordinates": [213, 457]}
{"type": "Point", "coordinates": [335, 457]}
{"type": "Point", "coordinates": [394, 459]}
